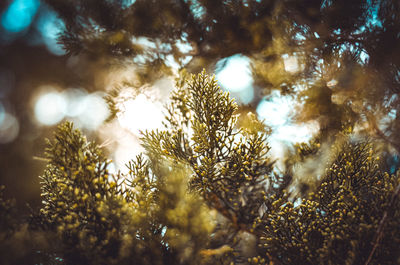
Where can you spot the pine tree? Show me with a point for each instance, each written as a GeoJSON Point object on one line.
{"type": "Point", "coordinates": [204, 192]}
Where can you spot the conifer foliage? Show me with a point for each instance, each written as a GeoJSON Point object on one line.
{"type": "Point", "coordinates": [204, 192]}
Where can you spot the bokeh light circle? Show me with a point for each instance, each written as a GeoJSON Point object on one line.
{"type": "Point", "coordinates": [50, 108]}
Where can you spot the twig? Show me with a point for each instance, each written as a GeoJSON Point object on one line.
{"type": "Point", "coordinates": [41, 158]}
{"type": "Point", "coordinates": [379, 232]}
{"type": "Point", "coordinates": [374, 125]}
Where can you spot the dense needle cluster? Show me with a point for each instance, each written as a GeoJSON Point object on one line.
{"type": "Point", "coordinates": [341, 221]}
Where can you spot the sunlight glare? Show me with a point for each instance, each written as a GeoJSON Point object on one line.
{"type": "Point", "coordinates": [127, 149]}
{"type": "Point", "coordinates": [140, 113]}
{"type": "Point", "coordinates": [235, 76]}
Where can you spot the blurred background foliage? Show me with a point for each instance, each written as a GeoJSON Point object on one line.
{"type": "Point", "coordinates": [309, 68]}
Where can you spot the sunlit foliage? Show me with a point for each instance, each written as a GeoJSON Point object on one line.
{"type": "Point", "coordinates": [204, 192]}
{"type": "Point", "coordinates": [339, 59]}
